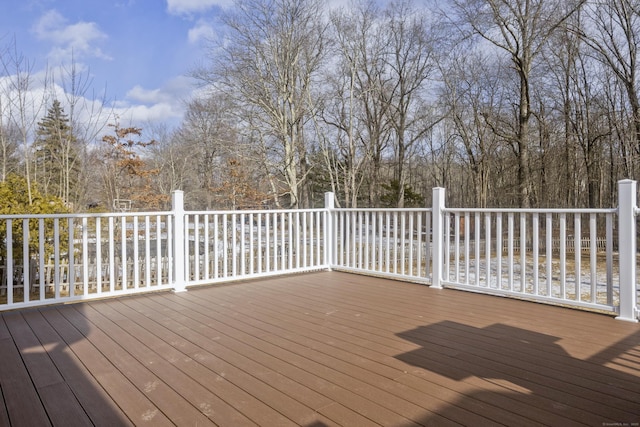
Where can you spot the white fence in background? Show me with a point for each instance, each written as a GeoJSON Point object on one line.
{"type": "Point", "coordinates": [523, 253]}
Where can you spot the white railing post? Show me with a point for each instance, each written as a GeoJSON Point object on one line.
{"type": "Point", "coordinates": [329, 205]}
{"type": "Point", "coordinates": [437, 236]}
{"type": "Point", "coordinates": [627, 249]}
{"type": "Point", "coordinates": [179, 260]}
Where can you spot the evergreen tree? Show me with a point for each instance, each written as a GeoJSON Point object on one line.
{"type": "Point", "coordinates": [56, 154]}
{"type": "Point", "coordinates": [389, 197]}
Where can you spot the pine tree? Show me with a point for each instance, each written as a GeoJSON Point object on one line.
{"type": "Point", "coordinates": [56, 154]}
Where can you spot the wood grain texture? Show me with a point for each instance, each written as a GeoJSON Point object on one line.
{"type": "Point", "coordinates": [318, 349]}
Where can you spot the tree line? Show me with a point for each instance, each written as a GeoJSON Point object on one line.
{"type": "Point", "coordinates": [506, 103]}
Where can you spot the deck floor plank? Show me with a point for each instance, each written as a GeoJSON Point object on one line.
{"type": "Point", "coordinates": [19, 392]}
{"type": "Point", "coordinates": [316, 350]}
{"type": "Point", "coordinates": [327, 383]}
{"type": "Point", "coordinates": [355, 363]}
{"type": "Point", "coordinates": [236, 365]}
{"type": "Point", "coordinates": [58, 399]}
{"type": "Point", "coordinates": [330, 350]}
{"type": "Point", "coordinates": [197, 369]}
{"type": "Point", "coordinates": [499, 353]}
{"type": "Point", "coordinates": [4, 415]}
{"type": "Point", "coordinates": [249, 389]}
{"type": "Point", "coordinates": [141, 371]}
{"type": "Point", "coordinates": [133, 402]}
{"type": "Point", "coordinates": [305, 354]}
{"type": "Point", "coordinates": [230, 363]}
{"type": "Point", "coordinates": [93, 398]}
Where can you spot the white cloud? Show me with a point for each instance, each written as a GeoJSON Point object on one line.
{"type": "Point", "coordinates": [201, 31]}
{"type": "Point", "coordinates": [163, 104]}
{"type": "Point", "coordinates": [185, 7]}
{"type": "Point", "coordinates": [171, 91]}
{"type": "Point", "coordinates": [157, 113]}
{"type": "Point", "coordinates": [146, 96]}
{"type": "Point", "coordinates": [77, 39]}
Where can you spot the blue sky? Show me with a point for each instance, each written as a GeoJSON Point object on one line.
{"type": "Point", "coordinates": [141, 50]}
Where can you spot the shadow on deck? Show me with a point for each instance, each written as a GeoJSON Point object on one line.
{"type": "Point", "coordinates": [530, 375]}
{"type": "Point", "coordinates": [319, 349]}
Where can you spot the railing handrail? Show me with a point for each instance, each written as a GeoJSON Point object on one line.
{"type": "Point", "coordinates": [253, 211]}
{"type": "Point", "coordinates": [381, 209]}
{"type": "Point", "coordinates": [533, 210]}
{"type": "Point", "coordinates": [84, 215]}
{"type": "Point", "coordinates": [422, 244]}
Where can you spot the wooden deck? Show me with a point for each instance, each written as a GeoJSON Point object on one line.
{"type": "Point", "coordinates": [318, 349]}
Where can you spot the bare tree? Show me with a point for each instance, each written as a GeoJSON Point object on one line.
{"type": "Point", "coordinates": [9, 159]}
{"type": "Point", "coordinates": [472, 93]}
{"type": "Point", "coordinates": [373, 85]}
{"type": "Point", "coordinates": [24, 102]}
{"type": "Point", "coordinates": [207, 132]}
{"type": "Point", "coordinates": [174, 160]}
{"type": "Point", "coordinates": [576, 79]}
{"type": "Point", "coordinates": [8, 132]}
{"type": "Point", "coordinates": [367, 94]}
{"type": "Point", "coordinates": [268, 60]}
{"type": "Point", "coordinates": [613, 32]}
{"type": "Point", "coordinates": [618, 114]}
{"type": "Point", "coordinates": [410, 64]}
{"type": "Point", "coordinates": [349, 146]}
{"type": "Point", "coordinates": [8, 142]}
{"type": "Point", "coordinates": [521, 28]}
{"type": "Point", "coordinates": [88, 115]}
{"type": "Point", "coordinates": [562, 60]}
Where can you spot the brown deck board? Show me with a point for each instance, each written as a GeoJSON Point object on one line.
{"type": "Point", "coordinates": [95, 401]}
{"type": "Point", "coordinates": [140, 371]}
{"type": "Point", "coordinates": [18, 390]}
{"type": "Point", "coordinates": [345, 357]}
{"type": "Point", "coordinates": [356, 363]}
{"type": "Point", "coordinates": [196, 380]}
{"type": "Point", "coordinates": [57, 397]}
{"type": "Point", "coordinates": [316, 350]}
{"type": "Point", "coordinates": [240, 386]}
{"type": "Point", "coordinates": [4, 416]}
{"type": "Point", "coordinates": [17, 387]}
{"type": "Point", "coordinates": [268, 353]}
{"type": "Point", "coordinates": [138, 407]}
{"type": "Point", "coordinates": [236, 367]}
{"type": "Point", "coordinates": [313, 361]}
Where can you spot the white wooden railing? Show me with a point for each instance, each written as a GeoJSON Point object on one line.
{"type": "Point", "coordinates": [224, 246]}
{"type": "Point", "coordinates": [73, 257]}
{"type": "Point", "coordinates": [522, 253]}
{"type": "Point", "coordinates": [392, 243]}
{"type": "Point", "coordinates": [469, 253]}
{"type": "Point", "coordinates": [514, 253]}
